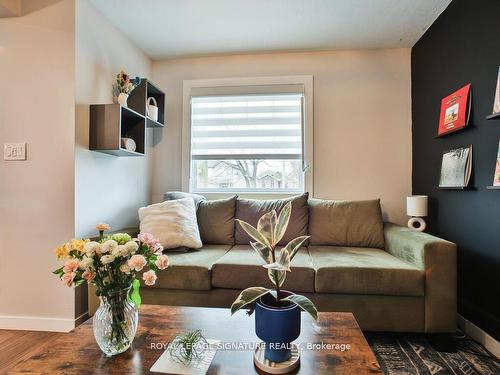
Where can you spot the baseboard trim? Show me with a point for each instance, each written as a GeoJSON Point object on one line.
{"type": "Point", "coordinates": [35, 323]}
{"type": "Point", "coordinates": [491, 345]}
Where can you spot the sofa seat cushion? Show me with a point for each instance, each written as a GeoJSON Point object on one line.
{"type": "Point", "coordinates": [241, 268]}
{"type": "Point", "coordinates": [190, 269]}
{"type": "Point", "coordinates": [358, 270]}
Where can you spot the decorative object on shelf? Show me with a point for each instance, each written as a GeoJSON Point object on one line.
{"type": "Point", "coordinates": [152, 109]}
{"type": "Point", "coordinates": [124, 86]}
{"type": "Point", "coordinates": [277, 312]}
{"type": "Point", "coordinates": [416, 207]}
{"type": "Point", "coordinates": [128, 144]}
{"type": "Point", "coordinates": [455, 111]}
{"type": "Point", "coordinates": [496, 177]}
{"type": "Point", "coordinates": [111, 264]}
{"type": "Point", "coordinates": [456, 168]}
{"type": "Point", "coordinates": [496, 103]}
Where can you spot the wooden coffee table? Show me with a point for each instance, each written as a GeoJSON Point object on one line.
{"type": "Point", "coordinates": [77, 352]}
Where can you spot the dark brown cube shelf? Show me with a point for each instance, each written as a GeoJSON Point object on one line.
{"type": "Point", "coordinates": [138, 102]}
{"type": "Point", "coordinates": [109, 123]}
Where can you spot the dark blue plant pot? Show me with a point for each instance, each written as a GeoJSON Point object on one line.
{"type": "Point", "coordinates": [277, 327]}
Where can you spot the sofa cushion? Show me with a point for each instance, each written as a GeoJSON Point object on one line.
{"type": "Point", "coordinates": [174, 195]}
{"type": "Point", "coordinates": [358, 270]}
{"type": "Point", "coordinates": [190, 269]}
{"type": "Point", "coordinates": [346, 223]}
{"type": "Point", "coordinates": [216, 220]}
{"type": "Point", "coordinates": [241, 268]}
{"type": "Point", "coordinates": [250, 210]}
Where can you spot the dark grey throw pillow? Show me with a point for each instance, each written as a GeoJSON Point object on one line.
{"type": "Point", "coordinates": [250, 210]}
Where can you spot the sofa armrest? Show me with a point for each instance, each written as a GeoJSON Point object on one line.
{"type": "Point", "coordinates": [438, 258]}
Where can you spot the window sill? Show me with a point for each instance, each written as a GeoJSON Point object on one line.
{"type": "Point", "coordinates": [247, 195]}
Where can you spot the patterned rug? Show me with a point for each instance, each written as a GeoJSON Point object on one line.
{"type": "Point", "coordinates": [415, 354]}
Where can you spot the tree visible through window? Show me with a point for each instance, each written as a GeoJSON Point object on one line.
{"type": "Point", "coordinates": [247, 143]}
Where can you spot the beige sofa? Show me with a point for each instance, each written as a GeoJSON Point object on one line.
{"type": "Point", "coordinates": [390, 277]}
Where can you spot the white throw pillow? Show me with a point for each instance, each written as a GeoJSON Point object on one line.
{"type": "Point", "coordinates": [173, 223]}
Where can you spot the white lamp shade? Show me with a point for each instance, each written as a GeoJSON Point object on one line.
{"type": "Point", "coordinates": [416, 205]}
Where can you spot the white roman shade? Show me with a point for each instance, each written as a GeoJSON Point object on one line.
{"type": "Point", "coordinates": [249, 126]}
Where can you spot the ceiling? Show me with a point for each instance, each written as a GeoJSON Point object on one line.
{"type": "Point", "coordinates": [173, 28]}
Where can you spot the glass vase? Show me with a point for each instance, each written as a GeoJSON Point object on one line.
{"type": "Point", "coordinates": [115, 322]}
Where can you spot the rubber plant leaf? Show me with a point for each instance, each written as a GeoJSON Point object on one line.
{"type": "Point", "coordinates": [247, 296]}
{"type": "Point", "coordinates": [282, 223]}
{"type": "Point", "coordinates": [304, 303]}
{"type": "Point", "coordinates": [253, 232]}
{"type": "Point", "coordinates": [266, 226]}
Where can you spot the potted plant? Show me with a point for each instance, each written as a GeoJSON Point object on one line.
{"type": "Point", "coordinates": [111, 263]}
{"type": "Point", "coordinates": [277, 311]}
{"type": "Point", "coordinates": [124, 86]}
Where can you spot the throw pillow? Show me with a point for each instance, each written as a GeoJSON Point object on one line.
{"type": "Point", "coordinates": [216, 221]}
{"type": "Point", "coordinates": [346, 223]}
{"type": "Point", "coordinates": [250, 210]}
{"type": "Point", "coordinates": [172, 222]}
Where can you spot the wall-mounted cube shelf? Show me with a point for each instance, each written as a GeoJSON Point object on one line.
{"type": "Point", "coordinates": [139, 98]}
{"type": "Point", "coordinates": [109, 123]}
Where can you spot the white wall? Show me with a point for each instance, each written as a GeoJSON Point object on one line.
{"type": "Point", "coordinates": [107, 188]}
{"type": "Point", "coordinates": [36, 196]}
{"type": "Point", "coordinates": [362, 119]}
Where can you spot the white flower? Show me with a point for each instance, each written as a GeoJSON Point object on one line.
{"type": "Point", "coordinates": [109, 246]}
{"type": "Point", "coordinates": [120, 251]}
{"type": "Point", "coordinates": [86, 262]}
{"type": "Point", "coordinates": [131, 246]}
{"type": "Point", "coordinates": [106, 259]}
{"type": "Point", "coordinates": [158, 249]}
{"type": "Point", "coordinates": [125, 268]}
{"type": "Point", "coordinates": [91, 248]}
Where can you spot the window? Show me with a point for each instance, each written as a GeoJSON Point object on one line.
{"type": "Point", "coordinates": [248, 136]}
{"type": "Point", "coordinates": [247, 143]}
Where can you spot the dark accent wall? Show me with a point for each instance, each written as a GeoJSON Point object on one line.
{"type": "Point", "coordinates": [462, 46]}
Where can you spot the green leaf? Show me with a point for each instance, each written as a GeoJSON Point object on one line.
{"type": "Point", "coordinates": [304, 303]}
{"type": "Point", "coordinates": [247, 296]}
{"type": "Point", "coordinates": [281, 275]}
{"type": "Point", "coordinates": [253, 232]}
{"type": "Point", "coordinates": [59, 271]}
{"type": "Point", "coordinates": [294, 245]}
{"type": "Point", "coordinates": [135, 297]}
{"type": "Point", "coordinates": [266, 226]}
{"type": "Point", "coordinates": [282, 261]}
{"type": "Point", "coordinates": [282, 223]}
{"type": "Point", "coordinates": [263, 251]}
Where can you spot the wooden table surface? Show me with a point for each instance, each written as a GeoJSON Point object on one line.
{"type": "Point", "coordinates": [77, 352]}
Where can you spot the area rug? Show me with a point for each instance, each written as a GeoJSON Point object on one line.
{"type": "Point", "coordinates": [415, 354]}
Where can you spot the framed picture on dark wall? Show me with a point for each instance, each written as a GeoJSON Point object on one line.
{"type": "Point", "coordinates": [496, 178]}
{"type": "Point", "coordinates": [456, 168]}
{"type": "Point", "coordinates": [455, 111]}
{"type": "Point", "coordinates": [496, 104]}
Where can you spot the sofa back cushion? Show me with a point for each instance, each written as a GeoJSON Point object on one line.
{"type": "Point", "coordinates": [250, 210]}
{"type": "Point", "coordinates": [216, 221]}
{"type": "Point", "coordinates": [346, 223]}
{"type": "Point", "coordinates": [174, 195]}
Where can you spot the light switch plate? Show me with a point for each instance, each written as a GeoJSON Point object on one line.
{"type": "Point", "coordinates": [14, 151]}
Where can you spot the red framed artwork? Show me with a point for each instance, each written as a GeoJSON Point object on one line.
{"type": "Point", "coordinates": [455, 109]}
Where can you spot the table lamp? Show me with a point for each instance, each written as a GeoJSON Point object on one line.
{"type": "Point", "coordinates": [416, 207]}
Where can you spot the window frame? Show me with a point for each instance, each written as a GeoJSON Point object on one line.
{"type": "Point", "coordinates": [308, 141]}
